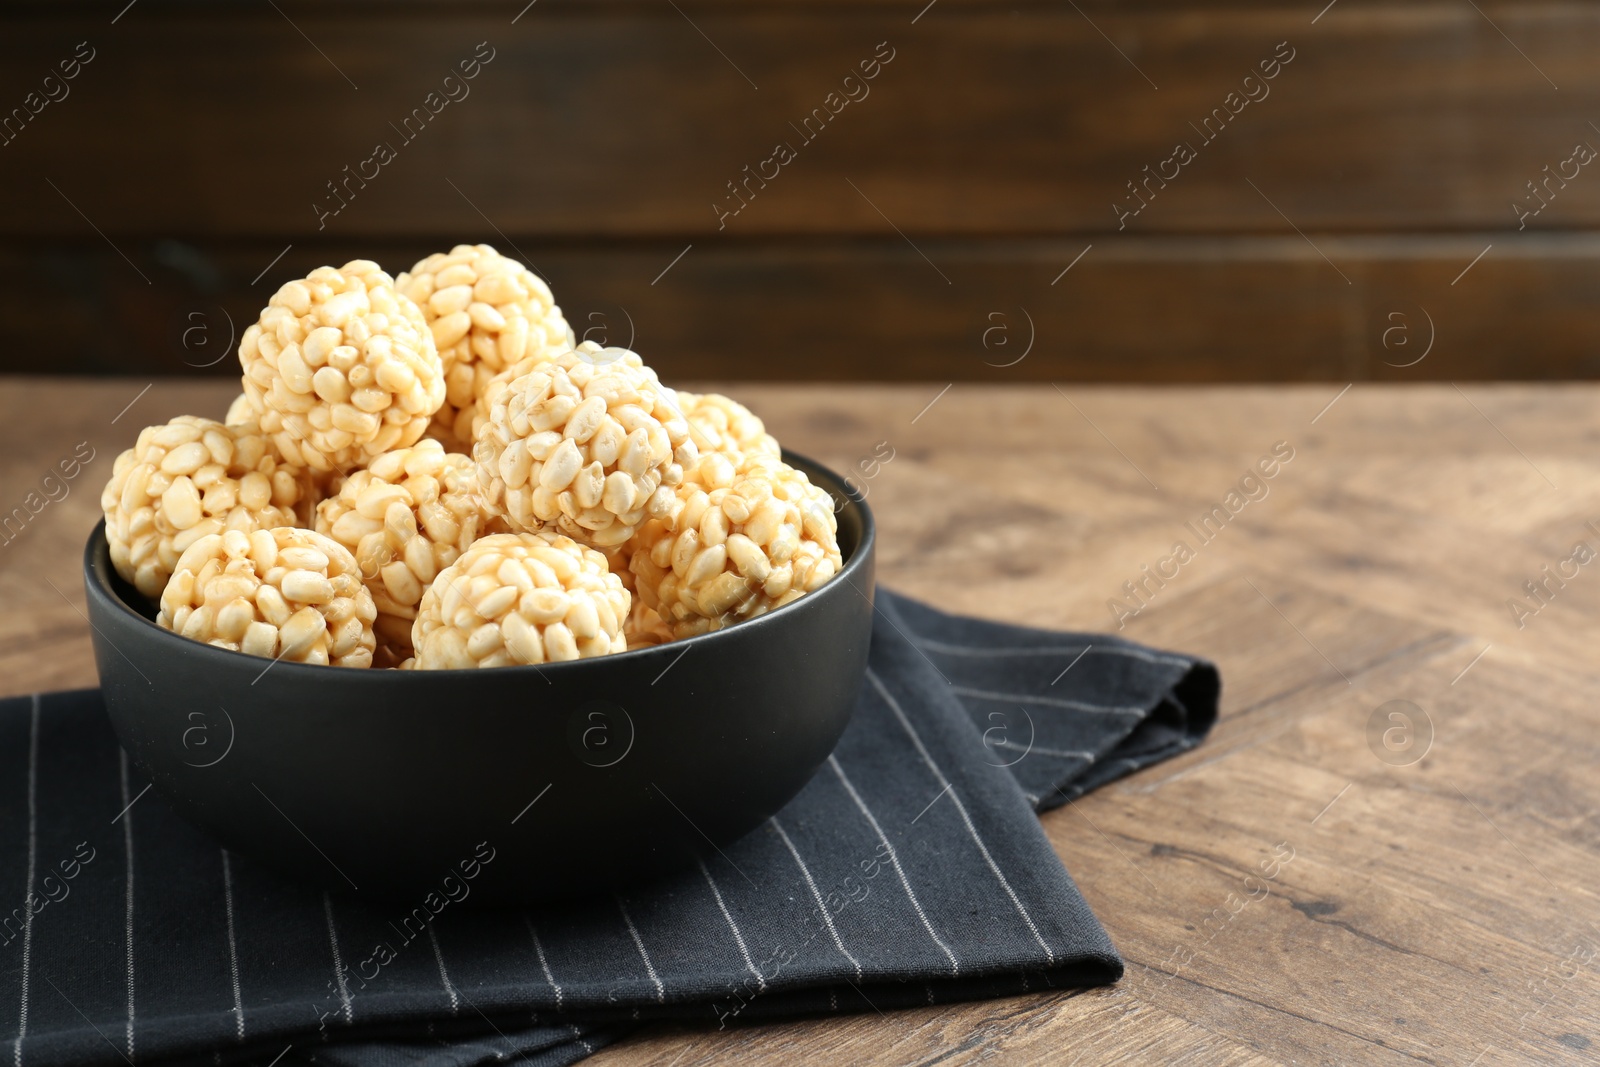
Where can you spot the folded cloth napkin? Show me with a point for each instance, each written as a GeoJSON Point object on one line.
{"type": "Point", "coordinates": [911, 870]}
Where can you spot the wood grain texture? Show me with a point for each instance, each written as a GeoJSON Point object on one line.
{"type": "Point", "coordinates": [630, 119]}
{"type": "Point", "coordinates": [998, 142]}
{"type": "Point", "coordinates": [1442, 912]}
{"type": "Point", "coordinates": [1179, 309]}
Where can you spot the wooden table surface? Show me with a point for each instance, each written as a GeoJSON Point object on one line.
{"type": "Point", "coordinates": [1440, 910]}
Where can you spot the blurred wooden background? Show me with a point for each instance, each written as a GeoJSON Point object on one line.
{"type": "Point", "coordinates": [147, 213]}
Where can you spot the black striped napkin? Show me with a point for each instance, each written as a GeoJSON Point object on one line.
{"type": "Point", "coordinates": [911, 870]}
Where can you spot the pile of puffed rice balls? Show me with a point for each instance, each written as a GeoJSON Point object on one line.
{"type": "Point", "coordinates": [426, 472]}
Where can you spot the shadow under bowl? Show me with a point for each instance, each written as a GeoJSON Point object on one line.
{"type": "Point", "coordinates": [574, 777]}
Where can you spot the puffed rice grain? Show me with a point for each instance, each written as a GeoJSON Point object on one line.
{"type": "Point", "coordinates": [739, 540]}
{"type": "Point", "coordinates": [341, 367]}
{"type": "Point", "coordinates": [486, 312]}
{"type": "Point", "coordinates": [524, 598]}
{"type": "Point", "coordinates": [643, 628]}
{"type": "Point", "coordinates": [584, 442]}
{"type": "Point", "coordinates": [721, 424]}
{"type": "Point", "coordinates": [240, 413]}
{"type": "Point", "coordinates": [406, 517]}
{"type": "Point", "coordinates": [283, 593]}
{"type": "Point", "coordinates": [189, 479]}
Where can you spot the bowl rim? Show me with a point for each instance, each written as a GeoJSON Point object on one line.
{"type": "Point", "coordinates": [98, 585]}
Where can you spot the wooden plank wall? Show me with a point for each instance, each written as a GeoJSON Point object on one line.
{"type": "Point", "coordinates": [922, 231]}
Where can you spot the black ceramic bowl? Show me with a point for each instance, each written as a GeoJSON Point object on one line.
{"type": "Point", "coordinates": [578, 776]}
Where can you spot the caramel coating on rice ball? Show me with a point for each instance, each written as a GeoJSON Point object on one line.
{"type": "Point", "coordinates": [741, 540]}
{"type": "Point", "coordinates": [643, 628]}
{"type": "Point", "coordinates": [341, 368]}
{"type": "Point", "coordinates": [587, 447]}
{"type": "Point", "coordinates": [189, 479]}
{"type": "Point", "coordinates": [519, 599]}
{"type": "Point", "coordinates": [282, 593]}
{"type": "Point", "coordinates": [617, 559]}
{"type": "Point", "coordinates": [486, 312]}
{"type": "Point", "coordinates": [721, 424]}
{"type": "Point", "coordinates": [406, 517]}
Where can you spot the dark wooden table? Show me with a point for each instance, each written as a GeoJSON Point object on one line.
{"type": "Point", "coordinates": [1439, 909]}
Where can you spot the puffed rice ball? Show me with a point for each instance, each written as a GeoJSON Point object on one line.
{"type": "Point", "coordinates": [341, 368]}
{"type": "Point", "coordinates": [189, 479]}
{"type": "Point", "coordinates": [322, 484]}
{"type": "Point", "coordinates": [487, 312]}
{"type": "Point", "coordinates": [587, 351]}
{"type": "Point", "coordinates": [519, 599]}
{"type": "Point", "coordinates": [406, 517]}
{"type": "Point", "coordinates": [585, 446]}
{"type": "Point", "coordinates": [721, 424]}
{"type": "Point", "coordinates": [741, 541]}
{"type": "Point", "coordinates": [283, 593]}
